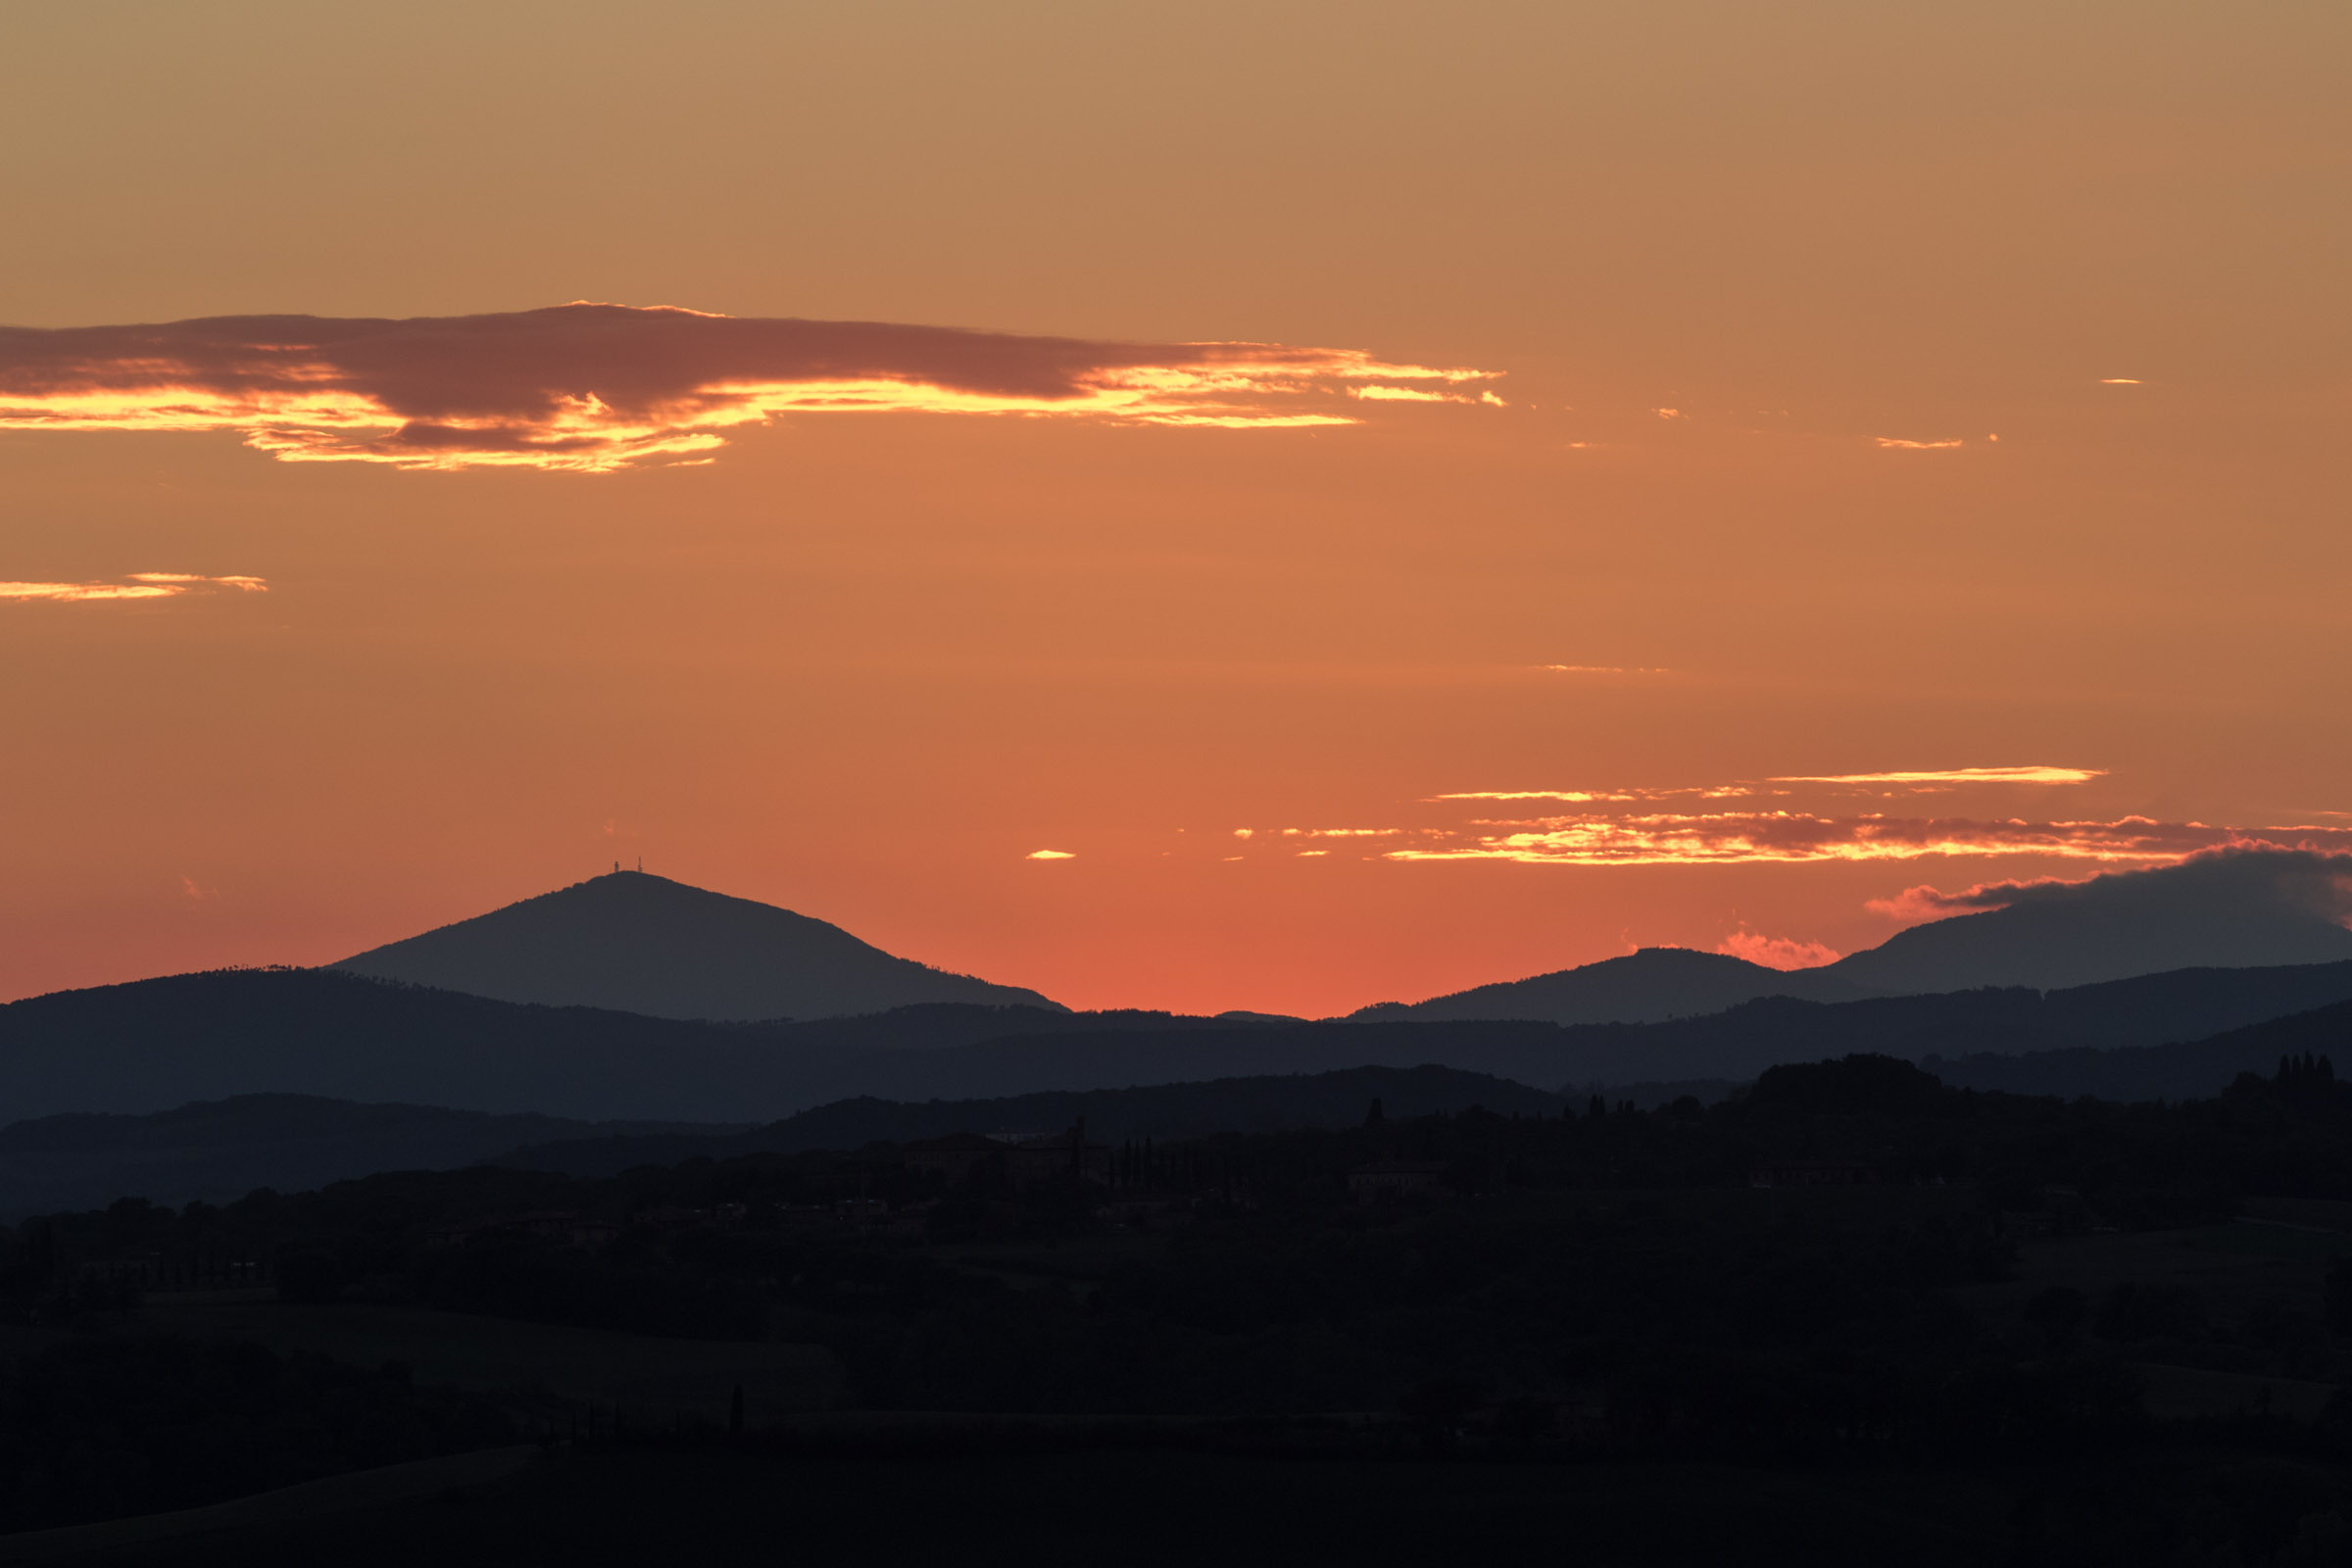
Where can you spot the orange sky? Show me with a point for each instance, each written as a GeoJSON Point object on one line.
{"type": "Point", "coordinates": [1741, 275]}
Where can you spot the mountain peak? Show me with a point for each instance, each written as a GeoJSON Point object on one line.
{"type": "Point", "coordinates": [640, 943]}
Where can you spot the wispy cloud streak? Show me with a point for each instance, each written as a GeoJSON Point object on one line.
{"type": "Point", "coordinates": [1735, 838]}
{"type": "Point", "coordinates": [593, 387]}
{"type": "Point", "coordinates": [1601, 670]}
{"type": "Point", "coordinates": [1954, 776]}
{"type": "Point", "coordinates": [138, 585]}
{"type": "Point", "coordinates": [1777, 952]}
{"type": "Point", "coordinates": [1916, 781]}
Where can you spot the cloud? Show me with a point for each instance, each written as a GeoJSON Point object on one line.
{"type": "Point", "coordinates": [1777, 952]}
{"type": "Point", "coordinates": [2244, 878]}
{"type": "Point", "coordinates": [137, 585]}
{"type": "Point", "coordinates": [1050, 855]}
{"type": "Point", "coordinates": [1897, 444]}
{"type": "Point", "coordinates": [1925, 781]}
{"type": "Point", "coordinates": [1602, 669]}
{"type": "Point", "coordinates": [1735, 838]}
{"type": "Point", "coordinates": [1705, 792]}
{"type": "Point", "coordinates": [1572, 796]}
{"type": "Point", "coordinates": [1412, 394]}
{"type": "Point", "coordinates": [1954, 776]}
{"type": "Point", "coordinates": [593, 387]}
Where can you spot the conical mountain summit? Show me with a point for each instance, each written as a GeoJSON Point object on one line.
{"type": "Point", "coordinates": [638, 943]}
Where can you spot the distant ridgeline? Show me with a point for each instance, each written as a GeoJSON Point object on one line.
{"type": "Point", "coordinates": [222, 1150]}
{"type": "Point", "coordinates": [158, 1044]}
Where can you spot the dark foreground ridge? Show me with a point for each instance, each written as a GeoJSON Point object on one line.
{"type": "Point", "coordinates": [218, 1151]}
{"type": "Point", "coordinates": [636, 943]}
{"type": "Point", "coordinates": [215, 1151]}
{"type": "Point", "coordinates": [1879, 1317]}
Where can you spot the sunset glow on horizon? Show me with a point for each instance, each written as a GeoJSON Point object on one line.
{"type": "Point", "coordinates": [1747, 479]}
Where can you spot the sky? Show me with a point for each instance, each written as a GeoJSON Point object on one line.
{"type": "Point", "coordinates": [1271, 506]}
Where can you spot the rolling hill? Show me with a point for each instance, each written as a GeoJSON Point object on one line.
{"type": "Point", "coordinates": [1649, 986]}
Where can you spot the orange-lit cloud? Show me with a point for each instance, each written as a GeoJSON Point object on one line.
{"type": "Point", "coordinates": [1777, 952]}
{"type": "Point", "coordinates": [138, 585]}
{"type": "Point", "coordinates": [1897, 444]}
{"type": "Point", "coordinates": [1919, 781]}
{"type": "Point", "coordinates": [1602, 669]}
{"type": "Point", "coordinates": [1571, 796]}
{"type": "Point", "coordinates": [594, 388]}
{"type": "Point", "coordinates": [1050, 855]}
{"type": "Point", "coordinates": [1735, 838]}
{"type": "Point", "coordinates": [1954, 776]}
{"type": "Point", "coordinates": [1716, 792]}
{"type": "Point", "coordinates": [1408, 394]}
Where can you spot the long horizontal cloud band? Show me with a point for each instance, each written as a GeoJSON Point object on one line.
{"type": "Point", "coordinates": [138, 585]}
{"type": "Point", "coordinates": [1744, 838]}
{"type": "Point", "coordinates": [597, 387]}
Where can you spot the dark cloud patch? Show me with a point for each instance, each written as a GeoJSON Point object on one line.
{"type": "Point", "coordinates": [588, 386]}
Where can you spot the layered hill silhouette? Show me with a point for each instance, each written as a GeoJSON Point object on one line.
{"type": "Point", "coordinates": [215, 1151]}
{"type": "Point", "coordinates": [2191, 1070]}
{"type": "Point", "coordinates": [2231, 909]}
{"type": "Point", "coordinates": [1161, 1111]}
{"type": "Point", "coordinates": [153, 1045]}
{"type": "Point", "coordinates": [219, 1150]}
{"type": "Point", "coordinates": [636, 943]}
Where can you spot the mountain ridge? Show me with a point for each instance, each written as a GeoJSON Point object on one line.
{"type": "Point", "coordinates": [2238, 909]}
{"type": "Point", "coordinates": [148, 1045]}
{"type": "Point", "coordinates": [633, 942]}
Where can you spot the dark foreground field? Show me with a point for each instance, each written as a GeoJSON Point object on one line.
{"type": "Point", "coordinates": [1121, 1501]}
{"type": "Point", "coordinates": [1851, 1316]}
